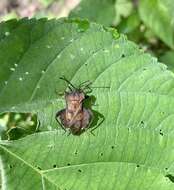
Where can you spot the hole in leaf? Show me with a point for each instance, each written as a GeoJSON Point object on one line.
{"type": "Point", "coordinates": [54, 166]}
{"type": "Point", "coordinates": [18, 124]}
{"type": "Point", "coordinates": [38, 167]}
{"type": "Point", "coordinates": [142, 122]}
{"type": "Point", "coordinates": [161, 133]}
{"type": "Point", "coordinates": [171, 177]}
{"type": "Point", "coordinates": [68, 164]}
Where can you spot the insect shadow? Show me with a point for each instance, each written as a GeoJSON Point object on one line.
{"type": "Point", "coordinates": [98, 118]}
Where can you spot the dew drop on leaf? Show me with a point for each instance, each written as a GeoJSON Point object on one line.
{"type": "Point", "coordinates": [58, 56]}
{"type": "Point", "coordinates": [48, 46]}
{"type": "Point", "coordinates": [7, 33]}
{"type": "Point", "coordinates": [62, 38]}
{"type": "Point", "coordinates": [12, 69]}
{"type": "Point", "coordinates": [6, 82]}
{"type": "Point", "coordinates": [20, 78]}
{"type": "Point", "coordinates": [26, 72]}
{"type": "Point", "coordinates": [15, 64]}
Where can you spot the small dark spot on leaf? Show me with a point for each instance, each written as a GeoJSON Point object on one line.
{"type": "Point", "coordinates": [39, 168]}
{"type": "Point", "coordinates": [54, 166]}
{"type": "Point", "coordinates": [138, 165]}
{"type": "Point", "coordinates": [150, 90]}
{"type": "Point", "coordinates": [112, 147]}
{"type": "Point", "coordinates": [144, 69]}
{"type": "Point", "coordinates": [10, 166]}
{"type": "Point", "coordinates": [75, 152]}
{"type": "Point", "coordinates": [142, 122]}
{"type": "Point", "coordinates": [79, 170]}
{"type": "Point", "coordinates": [101, 154]}
{"type": "Point", "coordinates": [161, 133]}
{"type": "Point", "coordinates": [68, 164]}
{"type": "Point", "coordinates": [166, 168]}
{"type": "Point", "coordinates": [171, 177]}
{"type": "Point", "coordinates": [123, 55]}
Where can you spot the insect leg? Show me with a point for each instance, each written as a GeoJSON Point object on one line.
{"type": "Point", "coordinates": [66, 80]}
{"type": "Point", "coordinates": [98, 124]}
{"type": "Point", "coordinates": [56, 117]}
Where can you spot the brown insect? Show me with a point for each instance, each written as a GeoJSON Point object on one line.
{"type": "Point", "coordinates": [75, 117]}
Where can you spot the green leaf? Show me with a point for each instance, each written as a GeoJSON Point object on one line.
{"type": "Point", "coordinates": [106, 12]}
{"type": "Point", "coordinates": [123, 9]}
{"type": "Point", "coordinates": [158, 15]}
{"type": "Point", "coordinates": [133, 146]}
{"type": "Point", "coordinates": [100, 11]}
{"type": "Point", "coordinates": [168, 58]}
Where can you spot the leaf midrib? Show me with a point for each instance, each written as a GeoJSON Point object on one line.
{"type": "Point", "coordinates": [41, 172]}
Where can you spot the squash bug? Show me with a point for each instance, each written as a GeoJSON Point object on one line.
{"type": "Point", "coordinates": [75, 117]}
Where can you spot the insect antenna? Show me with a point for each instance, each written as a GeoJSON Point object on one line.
{"type": "Point", "coordinates": [100, 87]}
{"type": "Point", "coordinates": [85, 83]}
{"type": "Point", "coordinates": [86, 86]}
{"type": "Point", "coordinates": [71, 86]}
